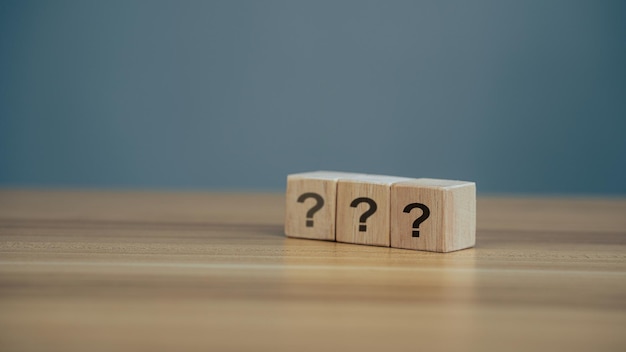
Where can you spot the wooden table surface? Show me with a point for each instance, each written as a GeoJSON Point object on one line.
{"type": "Point", "coordinates": [142, 271]}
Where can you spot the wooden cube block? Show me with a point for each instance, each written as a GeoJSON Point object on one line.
{"type": "Point", "coordinates": [311, 200]}
{"type": "Point", "coordinates": [433, 215]}
{"type": "Point", "coordinates": [363, 209]}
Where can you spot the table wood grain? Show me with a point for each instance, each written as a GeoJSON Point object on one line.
{"type": "Point", "coordinates": [159, 271]}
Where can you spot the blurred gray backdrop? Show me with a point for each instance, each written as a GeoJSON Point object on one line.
{"type": "Point", "coordinates": [519, 96]}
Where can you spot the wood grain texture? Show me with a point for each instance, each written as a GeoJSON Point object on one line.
{"type": "Point", "coordinates": [146, 271]}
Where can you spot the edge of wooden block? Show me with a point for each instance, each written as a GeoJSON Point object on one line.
{"type": "Point", "coordinates": [451, 194]}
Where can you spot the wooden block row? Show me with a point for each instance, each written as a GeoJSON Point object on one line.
{"type": "Point", "coordinates": [420, 214]}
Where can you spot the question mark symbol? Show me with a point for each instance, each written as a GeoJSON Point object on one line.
{"type": "Point", "coordinates": [312, 211]}
{"type": "Point", "coordinates": [367, 214]}
{"type": "Point", "coordinates": [418, 221]}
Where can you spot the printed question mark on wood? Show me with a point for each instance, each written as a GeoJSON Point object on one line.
{"type": "Point", "coordinates": [318, 205]}
{"type": "Point", "coordinates": [367, 214]}
{"type": "Point", "coordinates": [418, 221]}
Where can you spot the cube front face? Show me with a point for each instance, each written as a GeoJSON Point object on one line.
{"type": "Point", "coordinates": [433, 215]}
{"type": "Point", "coordinates": [363, 213]}
{"type": "Point", "coordinates": [417, 218]}
{"type": "Point", "coordinates": [310, 208]}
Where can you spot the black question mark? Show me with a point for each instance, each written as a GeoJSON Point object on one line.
{"type": "Point", "coordinates": [312, 211]}
{"type": "Point", "coordinates": [367, 214]}
{"type": "Point", "coordinates": [418, 221]}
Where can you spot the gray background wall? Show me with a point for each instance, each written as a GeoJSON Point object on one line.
{"type": "Point", "coordinates": [519, 96]}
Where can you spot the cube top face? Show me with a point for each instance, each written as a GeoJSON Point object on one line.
{"type": "Point", "coordinates": [433, 215]}
{"type": "Point", "coordinates": [311, 204]}
{"type": "Point", "coordinates": [363, 209]}
{"type": "Point", "coordinates": [438, 183]}
{"type": "Point", "coordinates": [378, 179]}
{"type": "Point", "coordinates": [322, 175]}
